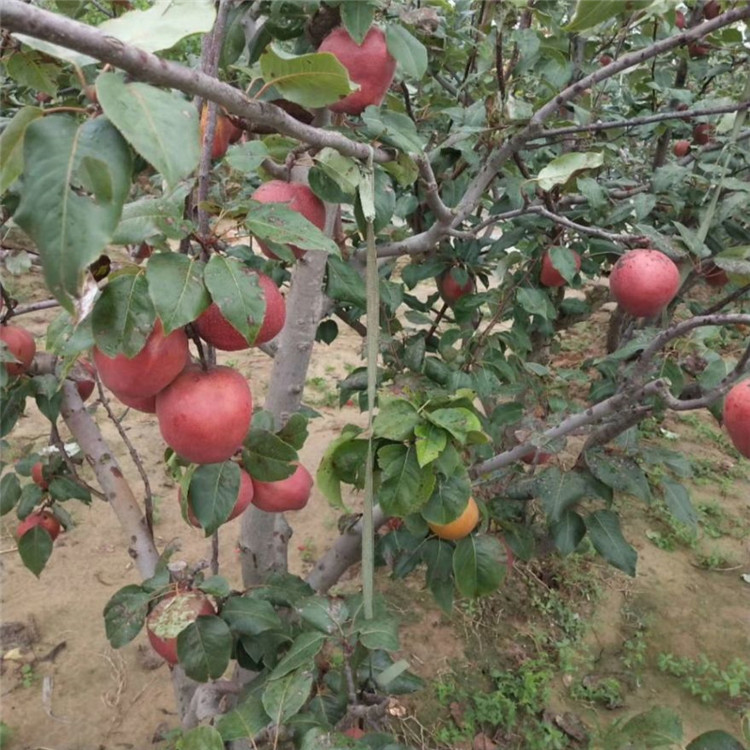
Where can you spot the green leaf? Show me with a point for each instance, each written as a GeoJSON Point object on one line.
{"type": "Point", "coordinates": [284, 697]}
{"type": "Point", "coordinates": [343, 170]}
{"type": "Point", "coordinates": [438, 556]}
{"type": "Point", "coordinates": [559, 490]}
{"type": "Point", "coordinates": [449, 499]}
{"type": "Point", "coordinates": [383, 202]}
{"type": "Point", "coordinates": [29, 70]}
{"type": "Point", "coordinates": [393, 128]}
{"type": "Point", "coordinates": [64, 488]}
{"type": "Point", "coordinates": [677, 499]}
{"type": "Point", "coordinates": [175, 283]}
{"type": "Point", "coordinates": [313, 80]}
{"type": "Point", "coordinates": [294, 432]}
{"type": "Point", "coordinates": [716, 739]}
{"type": "Point", "coordinates": [124, 615]}
{"type": "Point", "coordinates": [237, 293]}
{"type": "Point", "coordinates": [395, 420]}
{"type": "Point", "coordinates": [12, 405]}
{"type": "Point", "coordinates": [75, 181]}
{"type": "Point", "coordinates": [564, 262]}
{"type": "Point", "coordinates": [408, 51]}
{"type": "Point", "coordinates": [267, 457]}
{"type": "Point", "coordinates": [11, 145]}
{"type": "Point", "coordinates": [344, 284]}
{"type": "Point", "coordinates": [10, 492]}
{"type": "Point", "coordinates": [379, 632]}
{"type": "Point", "coordinates": [201, 738]}
{"type": "Point", "coordinates": [605, 534]}
{"type": "Point", "coordinates": [620, 473]}
{"type": "Point", "coordinates": [302, 654]}
{"type": "Point", "coordinates": [217, 586]}
{"type": "Point", "coordinates": [124, 315]}
{"type": "Point", "coordinates": [357, 19]}
{"type": "Point", "coordinates": [405, 487]}
{"type": "Point", "coordinates": [327, 615]}
{"type": "Point", "coordinates": [568, 532]}
{"type": "Point", "coordinates": [656, 728]}
{"type": "Point", "coordinates": [478, 565]}
{"type": "Point", "coordinates": [459, 422]}
{"type": "Point", "coordinates": [31, 496]}
{"type": "Point", "coordinates": [161, 126]}
{"type": "Point", "coordinates": [562, 168]}
{"type": "Point", "coordinates": [276, 223]}
{"type": "Point", "coordinates": [213, 493]}
{"type": "Point", "coordinates": [149, 217]}
{"type": "Point", "coordinates": [244, 722]}
{"type": "Point", "coordinates": [56, 50]}
{"type": "Point", "coordinates": [250, 616]}
{"type": "Point", "coordinates": [204, 648]}
{"type": "Point", "coordinates": [591, 13]}
{"type": "Point", "coordinates": [163, 24]}
{"type": "Point", "coordinates": [535, 302]}
{"type": "Point", "coordinates": [329, 475]}
{"type": "Point", "coordinates": [35, 548]}
{"type": "Point", "coordinates": [431, 442]}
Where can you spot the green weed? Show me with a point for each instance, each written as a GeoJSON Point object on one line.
{"type": "Point", "coordinates": [706, 679]}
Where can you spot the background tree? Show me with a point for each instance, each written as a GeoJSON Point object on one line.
{"type": "Point", "coordinates": [520, 150]}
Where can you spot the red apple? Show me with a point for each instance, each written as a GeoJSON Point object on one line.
{"type": "Point", "coordinates": [370, 65]}
{"type": "Point", "coordinates": [702, 133]}
{"type": "Point", "coordinates": [298, 197]}
{"type": "Point", "coordinates": [737, 416]}
{"type": "Point", "coordinates": [681, 148]}
{"type": "Point", "coordinates": [715, 276]}
{"type": "Point", "coordinates": [354, 732]}
{"type": "Point", "coordinates": [171, 616]}
{"type": "Point", "coordinates": [550, 276]}
{"type": "Point", "coordinates": [37, 475]}
{"type": "Point", "coordinates": [214, 328]}
{"type": "Point", "coordinates": [711, 9]}
{"type": "Point", "coordinates": [679, 20]}
{"type": "Point", "coordinates": [644, 282]}
{"type": "Point", "coordinates": [605, 60]}
{"type": "Point", "coordinates": [244, 498]}
{"type": "Point", "coordinates": [159, 362]}
{"type": "Point", "coordinates": [86, 386]}
{"type": "Point", "coordinates": [225, 132]}
{"type": "Point", "coordinates": [536, 457]}
{"type": "Point", "coordinates": [41, 518]}
{"type": "Point", "coordinates": [291, 493]}
{"type": "Point", "coordinates": [146, 405]}
{"type": "Point", "coordinates": [450, 290]}
{"type": "Point", "coordinates": [204, 415]}
{"type": "Point", "coordinates": [21, 345]}
{"type": "Point", "coordinates": [698, 50]}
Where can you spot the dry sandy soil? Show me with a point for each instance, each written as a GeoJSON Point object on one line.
{"type": "Point", "coordinates": [64, 688]}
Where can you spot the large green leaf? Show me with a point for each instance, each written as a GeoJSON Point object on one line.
{"type": "Point", "coordinates": [123, 317]}
{"type": "Point", "coordinates": [245, 721]}
{"type": "Point", "coordinates": [267, 457]}
{"type": "Point", "coordinates": [357, 18]}
{"type": "Point", "coordinates": [75, 180]}
{"type": "Point", "coordinates": [589, 13]}
{"type": "Point", "coordinates": [395, 420]}
{"type": "Point", "coordinates": [716, 739]}
{"type": "Point", "coordinates": [163, 24]}
{"type": "Point", "coordinates": [431, 442]}
{"type": "Point", "coordinates": [328, 477]}
{"type": "Point", "coordinates": [213, 493]}
{"type": "Point", "coordinates": [161, 126]}
{"type": "Point", "coordinates": [568, 531]}
{"type": "Point", "coordinates": [148, 217]}
{"type": "Point", "coordinates": [276, 223]}
{"type": "Point", "coordinates": [249, 616]}
{"type": "Point", "coordinates": [449, 499]}
{"type": "Point", "coordinates": [562, 168]}
{"type": "Point", "coordinates": [677, 499]}
{"type": "Point", "coordinates": [175, 283]}
{"type": "Point", "coordinates": [405, 487]}
{"type": "Point", "coordinates": [124, 614]}
{"type": "Point", "coordinates": [438, 556]}
{"type": "Point", "coordinates": [458, 421]}
{"type": "Point", "coordinates": [379, 632]}
{"type": "Point", "coordinates": [659, 727]}
{"type": "Point", "coordinates": [302, 654]}
{"type": "Point", "coordinates": [559, 490]}
{"type": "Point", "coordinates": [201, 738]}
{"type": "Point", "coordinates": [605, 534]}
{"type": "Point", "coordinates": [284, 697]}
{"type": "Point", "coordinates": [478, 565]}
{"type": "Point", "coordinates": [312, 80]}
{"type": "Point", "coordinates": [344, 284]}
{"type": "Point", "coordinates": [408, 51]}
{"type": "Point", "coordinates": [10, 492]}
{"type": "Point", "coordinates": [35, 548]}
{"type": "Point", "coordinates": [237, 294]}
{"type": "Point", "coordinates": [393, 128]}
{"type": "Point", "coordinates": [620, 473]}
{"type": "Point", "coordinates": [11, 146]}
{"type": "Point", "coordinates": [204, 648]}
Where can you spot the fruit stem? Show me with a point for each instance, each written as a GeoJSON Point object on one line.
{"type": "Point", "coordinates": [193, 334]}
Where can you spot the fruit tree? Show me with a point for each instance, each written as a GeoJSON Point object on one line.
{"type": "Point", "coordinates": [461, 183]}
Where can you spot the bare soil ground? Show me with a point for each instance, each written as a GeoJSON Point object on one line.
{"type": "Point", "coordinates": [64, 688]}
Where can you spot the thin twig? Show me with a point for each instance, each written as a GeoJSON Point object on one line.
{"type": "Point", "coordinates": [57, 441]}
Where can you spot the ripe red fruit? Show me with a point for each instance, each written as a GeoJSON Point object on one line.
{"type": "Point", "coordinates": [644, 282]}
{"type": "Point", "coordinates": [204, 415]}
{"type": "Point", "coordinates": [605, 60]}
{"type": "Point", "coordinates": [715, 276]}
{"type": "Point", "coordinates": [550, 276]}
{"type": "Point", "coordinates": [369, 65]}
{"type": "Point", "coordinates": [681, 148]}
{"type": "Point", "coordinates": [702, 133]}
{"type": "Point", "coordinates": [538, 457]}
{"type": "Point", "coordinates": [37, 475]}
{"type": "Point", "coordinates": [147, 404]}
{"type": "Point", "coordinates": [298, 197]}
{"type": "Point", "coordinates": [450, 290]}
{"type": "Point", "coordinates": [711, 9]}
{"type": "Point", "coordinates": [41, 518]}
{"type": "Point", "coordinates": [21, 345]}
{"type": "Point", "coordinates": [291, 493]}
{"type": "Point", "coordinates": [354, 732]}
{"type": "Point", "coordinates": [737, 416]}
{"type": "Point", "coordinates": [244, 498]}
{"type": "Point", "coordinates": [698, 50]}
{"type": "Point", "coordinates": [151, 370]}
{"type": "Point", "coordinates": [86, 387]}
{"type": "Point", "coordinates": [225, 132]}
{"type": "Point", "coordinates": [214, 328]}
{"type": "Point", "coordinates": [171, 616]}
{"type": "Point", "coordinates": [679, 20]}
